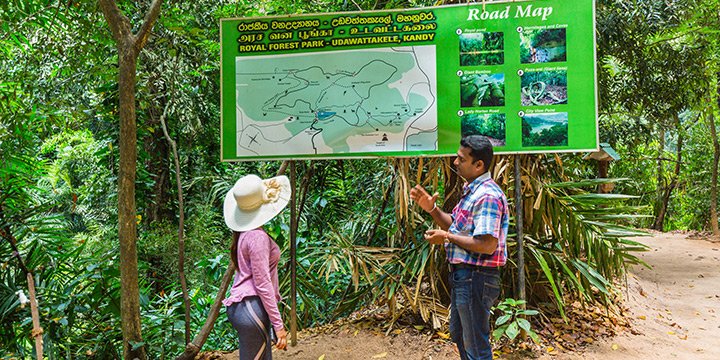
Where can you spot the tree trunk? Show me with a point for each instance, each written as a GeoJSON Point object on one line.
{"type": "Point", "coordinates": [128, 46]}
{"type": "Point", "coordinates": [713, 184]}
{"type": "Point", "coordinates": [127, 231]}
{"type": "Point", "coordinates": [158, 208]}
{"type": "Point", "coordinates": [716, 146]}
{"type": "Point", "coordinates": [665, 198]}
{"type": "Point", "coordinates": [181, 225]}
{"type": "Point", "coordinates": [657, 225]}
{"type": "Point", "coordinates": [381, 209]}
{"type": "Point", "coordinates": [192, 348]}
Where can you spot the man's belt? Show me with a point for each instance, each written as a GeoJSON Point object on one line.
{"type": "Point", "coordinates": [487, 269]}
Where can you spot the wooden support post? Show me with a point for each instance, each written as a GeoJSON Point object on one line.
{"type": "Point", "coordinates": [602, 166]}
{"type": "Point", "coordinates": [293, 256]}
{"type": "Point", "coordinates": [520, 240]}
{"type": "Point", "coordinates": [519, 229]}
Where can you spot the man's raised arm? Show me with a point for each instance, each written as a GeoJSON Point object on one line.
{"type": "Point", "coordinates": [427, 203]}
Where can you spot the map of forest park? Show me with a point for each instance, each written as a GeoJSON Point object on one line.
{"type": "Point", "coordinates": [354, 101]}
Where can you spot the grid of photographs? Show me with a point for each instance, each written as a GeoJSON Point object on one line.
{"type": "Point", "coordinates": [483, 88]}
{"type": "Point", "coordinates": [544, 88]}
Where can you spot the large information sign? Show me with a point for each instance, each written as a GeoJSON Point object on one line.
{"type": "Point", "coordinates": [410, 82]}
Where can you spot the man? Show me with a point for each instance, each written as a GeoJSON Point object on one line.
{"type": "Point", "coordinates": [474, 237]}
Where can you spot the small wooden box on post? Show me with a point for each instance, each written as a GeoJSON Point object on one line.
{"type": "Point", "coordinates": [603, 157]}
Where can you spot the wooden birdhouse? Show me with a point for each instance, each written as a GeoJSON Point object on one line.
{"type": "Point", "coordinates": [604, 155]}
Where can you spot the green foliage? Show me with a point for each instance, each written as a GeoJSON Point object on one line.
{"type": "Point", "coordinates": [29, 224]}
{"type": "Point", "coordinates": [78, 185]}
{"type": "Point", "coordinates": [494, 58]}
{"type": "Point", "coordinates": [482, 42]}
{"type": "Point", "coordinates": [659, 63]}
{"type": "Point", "coordinates": [642, 78]}
{"type": "Point", "coordinates": [689, 207]}
{"type": "Point", "coordinates": [59, 161]}
{"type": "Point", "coordinates": [512, 319]}
{"type": "Point", "coordinates": [577, 244]}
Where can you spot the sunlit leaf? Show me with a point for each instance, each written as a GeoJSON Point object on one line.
{"type": "Point", "coordinates": [512, 331]}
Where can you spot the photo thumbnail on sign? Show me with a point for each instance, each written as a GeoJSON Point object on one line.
{"type": "Point", "coordinates": [491, 126]}
{"type": "Point", "coordinates": [483, 48]}
{"type": "Point", "coordinates": [543, 46]}
{"type": "Point", "coordinates": [482, 90]}
{"type": "Point", "coordinates": [541, 88]}
{"type": "Point", "coordinates": [545, 129]}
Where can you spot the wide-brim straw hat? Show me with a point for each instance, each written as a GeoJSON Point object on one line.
{"type": "Point", "coordinates": [253, 202]}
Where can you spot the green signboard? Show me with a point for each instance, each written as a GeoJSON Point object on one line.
{"type": "Point", "coordinates": [410, 82]}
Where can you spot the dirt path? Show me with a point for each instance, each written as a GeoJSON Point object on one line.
{"type": "Point", "coordinates": [674, 309]}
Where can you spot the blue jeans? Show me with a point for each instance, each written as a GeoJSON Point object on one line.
{"type": "Point", "coordinates": [474, 290]}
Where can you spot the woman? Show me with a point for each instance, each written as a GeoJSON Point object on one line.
{"type": "Point", "coordinates": [252, 306]}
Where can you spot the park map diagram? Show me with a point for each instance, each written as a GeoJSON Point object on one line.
{"type": "Point", "coordinates": [354, 101]}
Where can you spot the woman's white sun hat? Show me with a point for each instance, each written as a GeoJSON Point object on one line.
{"type": "Point", "coordinates": [252, 201]}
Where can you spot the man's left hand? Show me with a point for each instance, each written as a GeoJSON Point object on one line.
{"type": "Point", "coordinates": [435, 236]}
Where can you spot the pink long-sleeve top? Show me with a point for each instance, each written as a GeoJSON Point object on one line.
{"type": "Point", "coordinates": [258, 257]}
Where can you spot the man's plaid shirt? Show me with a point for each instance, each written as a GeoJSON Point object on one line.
{"type": "Point", "coordinates": [482, 209]}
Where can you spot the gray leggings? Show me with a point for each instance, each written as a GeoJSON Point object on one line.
{"type": "Point", "coordinates": [252, 323]}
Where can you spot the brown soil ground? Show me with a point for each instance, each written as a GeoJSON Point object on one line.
{"type": "Point", "coordinates": [674, 308]}
{"type": "Point", "coordinates": [671, 312]}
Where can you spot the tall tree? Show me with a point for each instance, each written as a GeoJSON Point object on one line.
{"type": "Point", "coordinates": [128, 49]}
{"type": "Point", "coordinates": [646, 78]}
{"type": "Point", "coordinates": [711, 111]}
{"type": "Point", "coordinates": [701, 31]}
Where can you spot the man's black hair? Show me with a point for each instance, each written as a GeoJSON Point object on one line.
{"type": "Point", "coordinates": [480, 149]}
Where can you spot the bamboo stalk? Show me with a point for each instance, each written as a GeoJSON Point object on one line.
{"type": "Point", "coordinates": [37, 330]}
{"type": "Point", "coordinates": [293, 255]}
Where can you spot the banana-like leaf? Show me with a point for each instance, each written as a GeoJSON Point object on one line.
{"type": "Point", "coordinates": [593, 276]}
{"type": "Point", "coordinates": [549, 274]}
{"type": "Point", "coordinates": [585, 183]}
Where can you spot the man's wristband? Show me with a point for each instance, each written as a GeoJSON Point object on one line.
{"type": "Point", "coordinates": [433, 209]}
{"type": "Point", "coordinates": [445, 239]}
